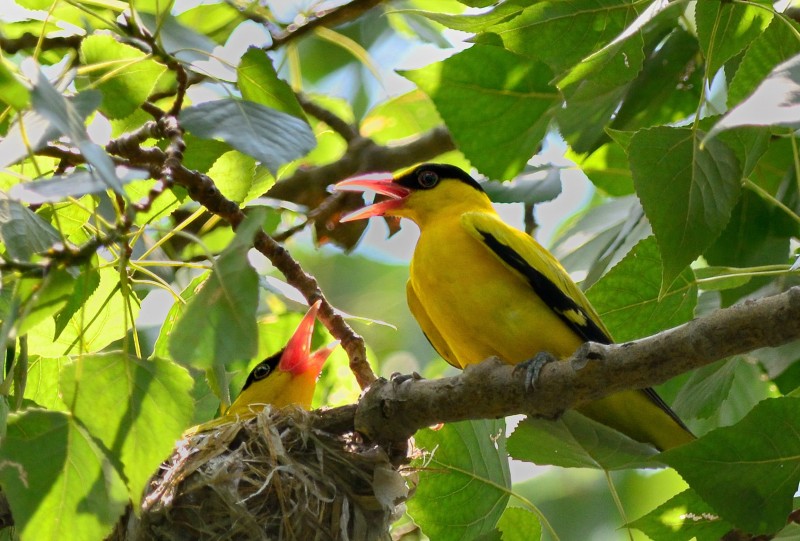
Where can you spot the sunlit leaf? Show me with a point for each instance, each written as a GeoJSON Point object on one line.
{"type": "Point", "coordinates": [23, 232]}
{"type": "Point", "coordinates": [684, 516]}
{"type": "Point", "coordinates": [464, 482]}
{"type": "Point", "coordinates": [233, 174]}
{"type": "Point", "coordinates": [518, 524]}
{"type": "Point", "coordinates": [57, 479]}
{"type": "Point", "coordinates": [145, 407]}
{"type": "Point", "coordinates": [12, 91]}
{"type": "Point", "coordinates": [259, 83]}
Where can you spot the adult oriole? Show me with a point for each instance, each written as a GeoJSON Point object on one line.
{"type": "Point", "coordinates": [287, 377]}
{"type": "Point", "coordinates": [479, 287]}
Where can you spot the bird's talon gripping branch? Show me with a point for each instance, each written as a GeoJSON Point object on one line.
{"type": "Point", "coordinates": [398, 379]}
{"type": "Point", "coordinates": [533, 368]}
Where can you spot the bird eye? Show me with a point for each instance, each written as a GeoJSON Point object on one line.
{"type": "Point", "coordinates": [261, 371]}
{"type": "Point", "coordinates": [427, 179]}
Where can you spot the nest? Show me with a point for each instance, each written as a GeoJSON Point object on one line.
{"type": "Point", "coordinates": [272, 477]}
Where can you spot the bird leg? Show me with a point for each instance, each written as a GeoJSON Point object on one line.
{"type": "Point", "coordinates": [397, 378]}
{"type": "Point", "coordinates": [532, 368]}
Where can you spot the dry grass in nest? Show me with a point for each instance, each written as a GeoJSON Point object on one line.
{"type": "Point", "coordinates": [272, 477]}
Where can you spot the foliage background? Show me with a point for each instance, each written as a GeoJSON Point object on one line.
{"type": "Point", "coordinates": [113, 349]}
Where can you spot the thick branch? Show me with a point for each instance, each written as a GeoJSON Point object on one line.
{"type": "Point", "coordinates": [389, 412]}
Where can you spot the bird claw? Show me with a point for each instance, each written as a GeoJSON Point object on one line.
{"type": "Point", "coordinates": [397, 378]}
{"type": "Point", "coordinates": [533, 367]}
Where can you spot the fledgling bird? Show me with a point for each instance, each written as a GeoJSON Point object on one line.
{"type": "Point", "coordinates": [287, 377]}
{"type": "Point", "coordinates": [479, 288]}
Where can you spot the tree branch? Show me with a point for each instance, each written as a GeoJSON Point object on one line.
{"type": "Point", "coordinates": [390, 412]}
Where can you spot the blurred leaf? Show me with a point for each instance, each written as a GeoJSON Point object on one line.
{"type": "Point", "coordinates": [179, 40]}
{"type": "Point", "coordinates": [219, 323]}
{"type": "Point", "coordinates": [687, 192]}
{"type": "Point", "coordinates": [76, 184]}
{"type": "Point", "coordinates": [23, 232]}
{"type": "Point", "coordinates": [463, 487]}
{"type": "Point", "coordinates": [518, 524]}
{"type": "Point", "coordinates": [161, 347]}
{"type": "Point", "coordinates": [706, 388]}
{"type": "Point", "coordinates": [629, 298]}
{"type": "Point", "coordinates": [575, 441]}
{"type": "Point", "coordinates": [57, 479]}
{"type": "Point", "coordinates": [145, 407]}
{"type": "Point", "coordinates": [682, 517]}
{"type": "Point", "coordinates": [776, 44]}
{"type": "Point", "coordinates": [477, 22]}
{"type": "Point", "coordinates": [725, 28]}
{"type": "Point", "coordinates": [216, 21]}
{"type": "Point", "coordinates": [403, 116]}
{"type": "Point", "coordinates": [232, 174]}
{"type": "Point", "coordinates": [33, 130]}
{"type": "Point", "coordinates": [12, 92]}
{"type": "Point", "coordinates": [572, 25]}
{"type": "Point", "coordinates": [272, 137]}
{"type": "Point", "coordinates": [65, 117]}
{"type": "Point", "coordinates": [259, 83]}
{"type": "Point", "coordinates": [775, 102]}
{"type": "Point", "coordinates": [123, 74]}
{"type": "Point", "coordinates": [534, 185]}
{"type": "Point", "coordinates": [747, 472]}
{"type": "Point", "coordinates": [84, 285]}
{"type": "Point", "coordinates": [43, 297]}
{"type": "Point", "coordinates": [497, 117]}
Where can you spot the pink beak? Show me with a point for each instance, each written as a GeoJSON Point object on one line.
{"type": "Point", "coordinates": [382, 183]}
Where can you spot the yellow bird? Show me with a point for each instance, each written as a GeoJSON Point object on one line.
{"type": "Point", "coordinates": [287, 377]}
{"type": "Point", "coordinates": [479, 287]}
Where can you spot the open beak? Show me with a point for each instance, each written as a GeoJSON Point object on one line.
{"type": "Point", "coordinates": [382, 183]}
{"type": "Point", "coordinates": [297, 357]}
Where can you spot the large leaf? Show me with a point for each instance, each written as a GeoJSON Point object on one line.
{"type": "Point", "coordinates": [776, 101]}
{"type": "Point", "coordinates": [687, 192]}
{"type": "Point", "coordinates": [125, 75]}
{"type": "Point", "coordinates": [725, 28]}
{"type": "Point", "coordinates": [233, 174]}
{"type": "Point", "coordinates": [464, 484]}
{"type": "Point", "coordinates": [575, 441]}
{"type": "Point", "coordinates": [219, 324]}
{"type": "Point", "coordinates": [684, 516]}
{"type": "Point", "coordinates": [145, 407]}
{"type": "Point", "coordinates": [518, 524]}
{"type": "Point", "coordinates": [497, 116]}
{"type": "Point", "coordinates": [57, 479]}
{"type": "Point", "coordinates": [51, 104]}
{"type": "Point", "coordinates": [76, 184]}
{"type": "Point", "coordinates": [272, 137]}
{"type": "Point", "coordinates": [747, 472]}
{"type": "Point", "coordinates": [629, 298]}
{"type": "Point", "coordinates": [259, 82]}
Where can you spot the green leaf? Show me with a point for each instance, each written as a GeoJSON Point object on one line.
{"type": "Point", "coordinates": [145, 407]}
{"type": "Point", "coordinates": [42, 382]}
{"type": "Point", "coordinates": [259, 83]}
{"type": "Point", "coordinates": [103, 318]}
{"type": "Point", "coordinates": [747, 472]}
{"type": "Point", "coordinates": [219, 324]}
{"type": "Point", "coordinates": [44, 297]}
{"type": "Point", "coordinates": [687, 192]}
{"type": "Point", "coordinates": [478, 22]}
{"type": "Point", "coordinates": [125, 75]}
{"type": "Point", "coordinates": [161, 347]}
{"type": "Point", "coordinates": [233, 174]}
{"type": "Point", "coordinates": [607, 168]}
{"type": "Point", "coordinates": [629, 298]}
{"type": "Point", "coordinates": [85, 284]}
{"type": "Point", "coordinates": [518, 524]}
{"type": "Point", "coordinates": [724, 29]}
{"type": "Point", "coordinates": [684, 516]}
{"type": "Point", "coordinates": [12, 92]}
{"type": "Point", "coordinates": [706, 388]}
{"type": "Point", "coordinates": [535, 185]}
{"type": "Point", "coordinates": [720, 278]}
{"type": "Point", "coordinates": [579, 27]}
{"type": "Point", "coordinates": [575, 441]}
{"type": "Point", "coordinates": [497, 117]}
{"type": "Point", "coordinates": [776, 101]}
{"type": "Point", "coordinates": [776, 44]}
{"type": "Point", "coordinates": [272, 137]}
{"type": "Point", "coordinates": [464, 484]}
{"type": "Point", "coordinates": [33, 130]}
{"type": "Point", "coordinates": [57, 479]}
{"type": "Point", "coordinates": [23, 232]}
{"type": "Point", "coordinates": [66, 118]}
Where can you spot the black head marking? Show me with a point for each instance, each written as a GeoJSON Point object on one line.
{"type": "Point", "coordinates": [428, 175]}
{"type": "Point", "coordinates": [263, 369]}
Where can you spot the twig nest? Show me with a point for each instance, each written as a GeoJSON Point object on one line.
{"type": "Point", "coordinates": [272, 477]}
